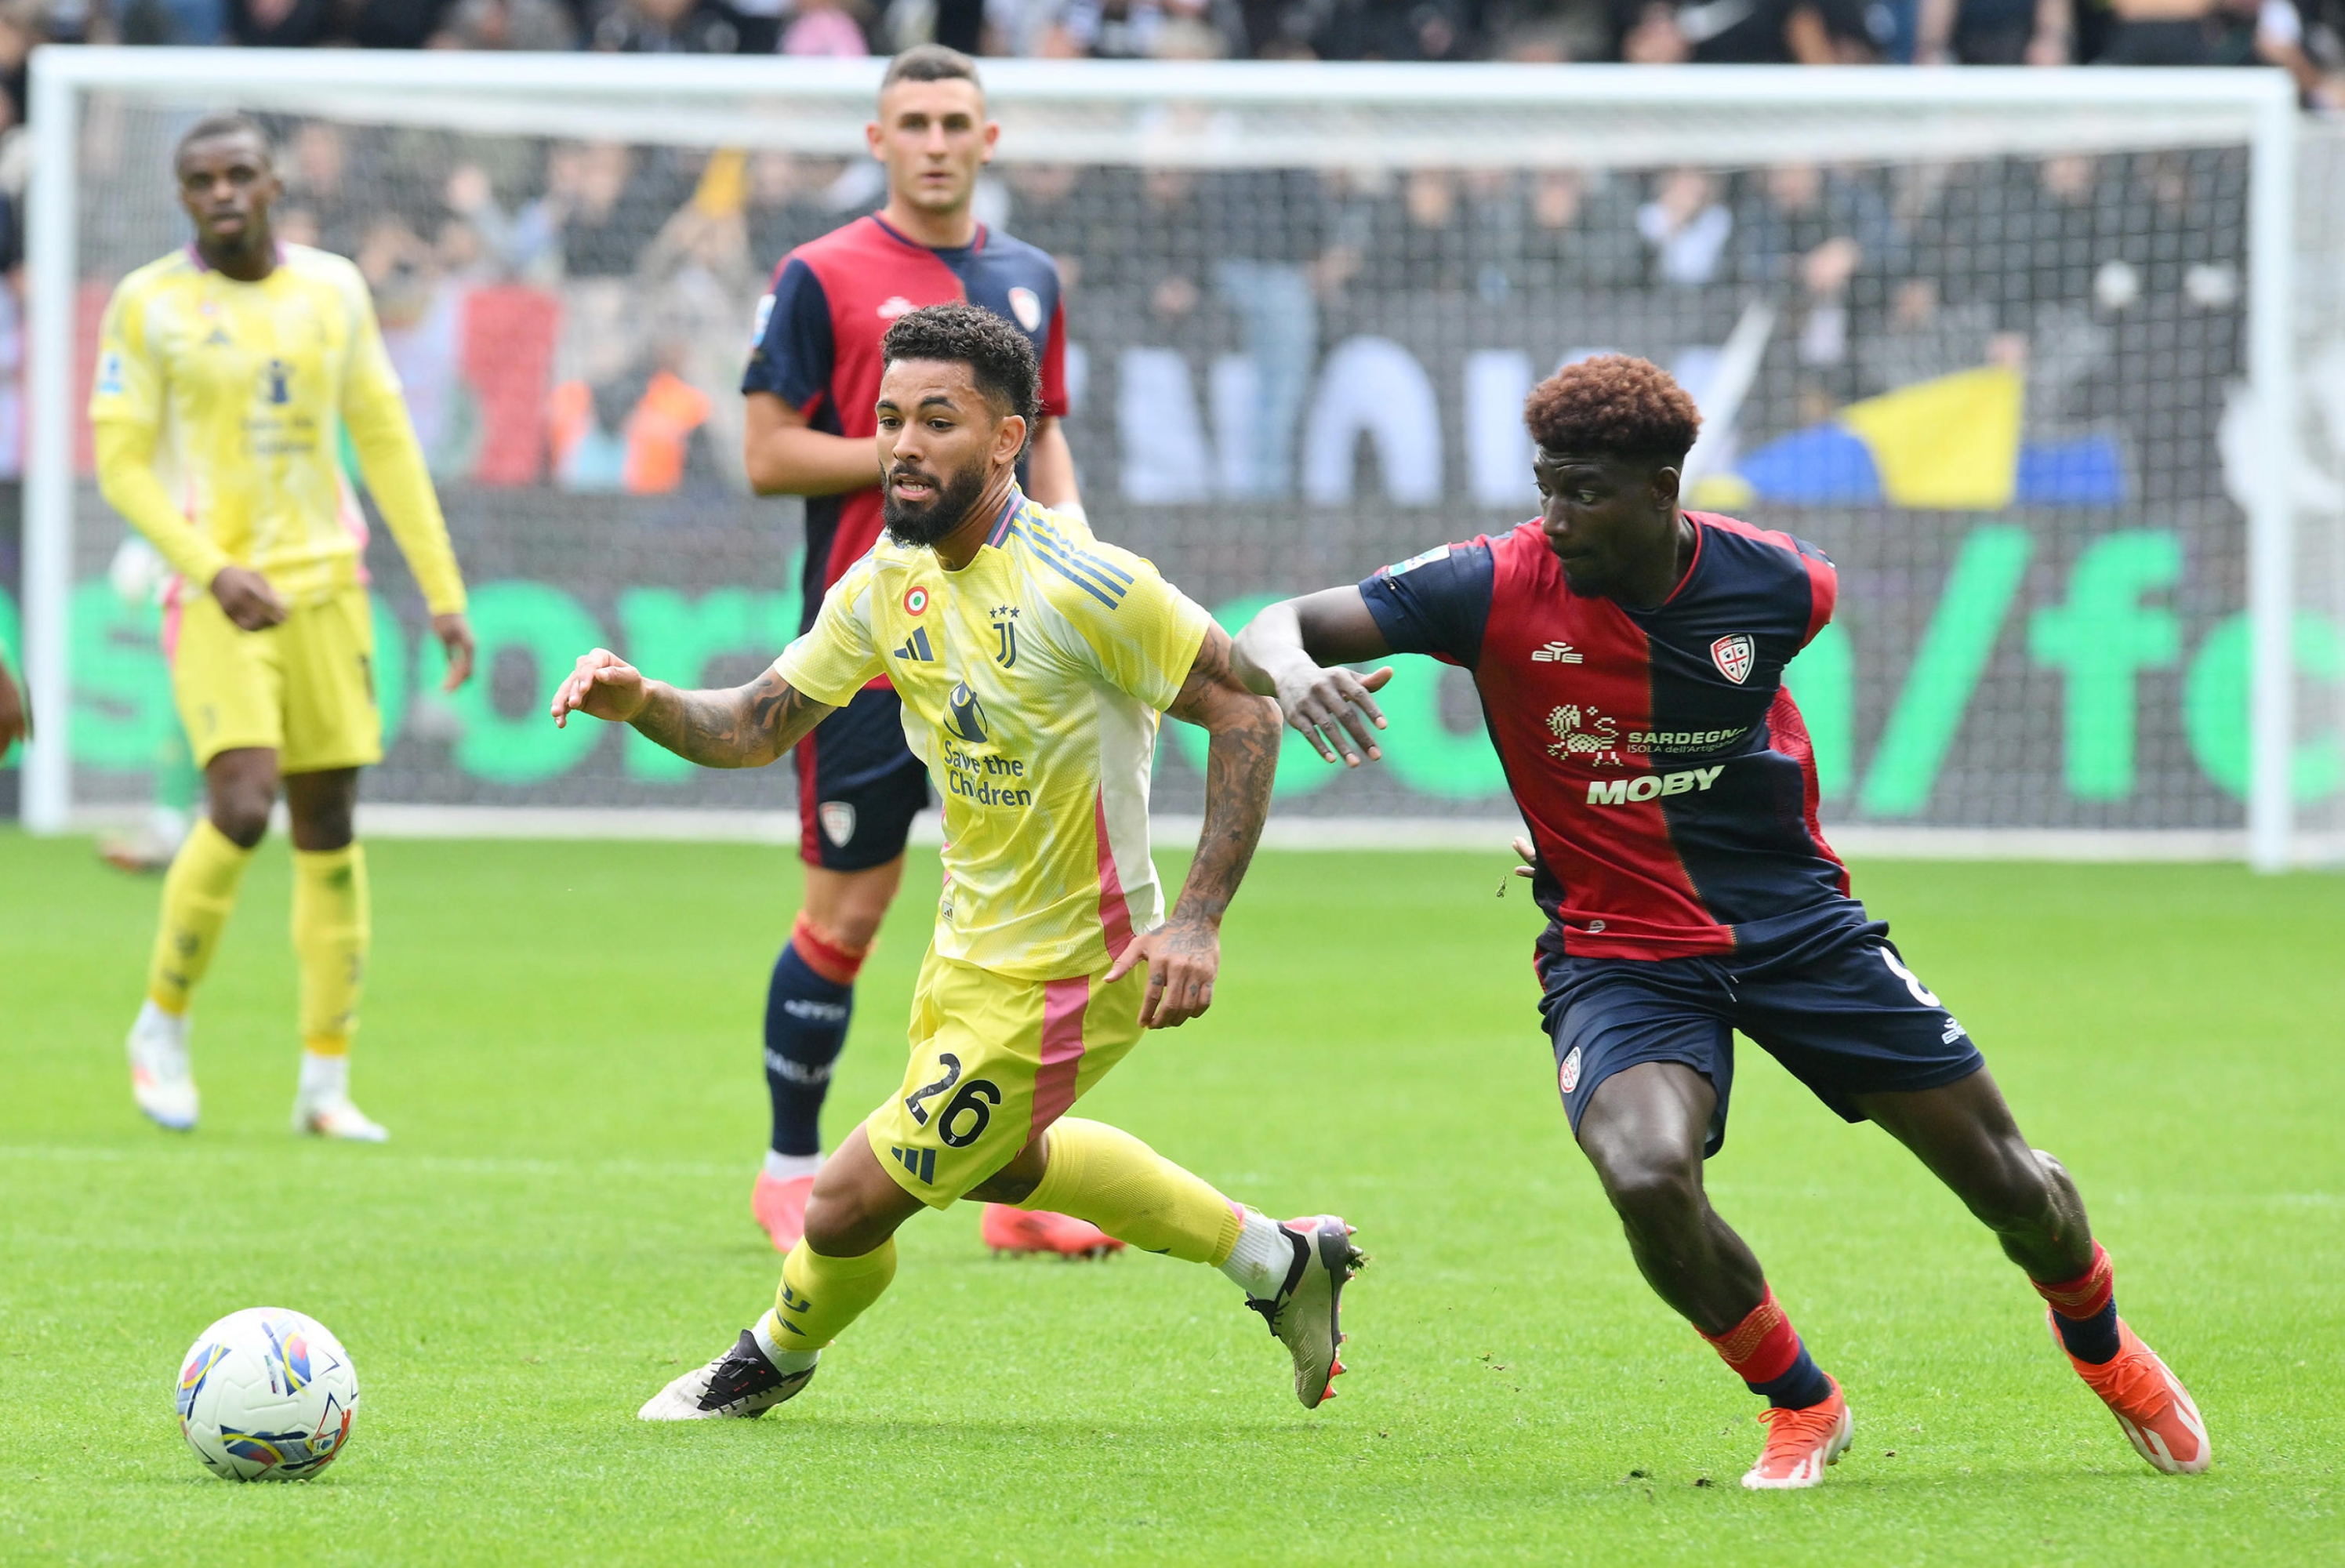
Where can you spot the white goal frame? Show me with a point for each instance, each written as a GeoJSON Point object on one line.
{"type": "Point", "coordinates": [1253, 114]}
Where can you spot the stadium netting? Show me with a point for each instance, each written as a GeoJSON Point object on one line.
{"type": "Point", "coordinates": [1989, 337]}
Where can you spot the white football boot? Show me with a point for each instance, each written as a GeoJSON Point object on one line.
{"type": "Point", "coordinates": [1306, 1315]}
{"type": "Point", "coordinates": [322, 1107]}
{"type": "Point", "coordinates": [741, 1383]}
{"type": "Point", "coordinates": [160, 1079]}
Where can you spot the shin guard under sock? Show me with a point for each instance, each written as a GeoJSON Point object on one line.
{"type": "Point", "coordinates": [331, 931]}
{"type": "Point", "coordinates": [2085, 1311]}
{"type": "Point", "coordinates": [1765, 1352]}
{"type": "Point", "coordinates": [1134, 1194]}
{"type": "Point", "coordinates": [198, 893]}
{"type": "Point", "coordinates": [820, 1296]}
{"type": "Point", "coordinates": [808, 1004]}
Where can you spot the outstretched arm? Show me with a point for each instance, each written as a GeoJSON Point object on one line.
{"type": "Point", "coordinates": [744, 727]}
{"type": "Point", "coordinates": [1281, 653]}
{"type": "Point", "coordinates": [1185, 952]}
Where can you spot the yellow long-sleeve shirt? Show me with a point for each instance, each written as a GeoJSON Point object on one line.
{"type": "Point", "coordinates": [217, 410]}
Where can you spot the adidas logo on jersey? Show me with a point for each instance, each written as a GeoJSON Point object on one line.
{"type": "Point", "coordinates": [916, 647]}
{"type": "Point", "coordinates": [1555, 653]}
{"type": "Point", "coordinates": [920, 1162]}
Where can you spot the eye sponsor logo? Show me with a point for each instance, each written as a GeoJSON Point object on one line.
{"type": "Point", "coordinates": [916, 600]}
{"type": "Point", "coordinates": [1555, 653]}
{"type": "Point", "coordinates": [1583, 733]}
{"type": "Point", "coordinates": [965, 715]}
{"type": "Point", "coordinates": [1734, 656]}
{"type": "Point", "coordinates": [1027, 308]}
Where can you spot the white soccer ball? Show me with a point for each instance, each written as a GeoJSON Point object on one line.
{"type": "Point", "coordinates": [267, 1394]}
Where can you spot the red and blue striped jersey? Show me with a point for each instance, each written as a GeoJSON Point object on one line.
{"type": "Point", "coordinates": [816, 346]}
{"type": "Point", "coordinates": [1664, 771]}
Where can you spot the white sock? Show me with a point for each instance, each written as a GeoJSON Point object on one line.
{"type": "Point", "coordinates": [324, 1079]}
{"type": "Point", "coordinates": [1264, 1255]}
{"type": "Point", "coordinates": [783, 1166]}
{"type": "Point", "coordinates": [784, 1361]}
{"type": "Point", "coordinates": [156, 1026]}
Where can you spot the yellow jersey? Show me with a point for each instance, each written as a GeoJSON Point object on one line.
{"type": "Point", "coordinates": [218, 409]}
{"type": "Point", "coordinates": [1032, 680]}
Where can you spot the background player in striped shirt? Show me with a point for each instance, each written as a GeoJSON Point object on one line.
{"type": "Point", "coordinates": [228, 373]}
{"type": "Point", "coordinates": [1033, 662]}
{"type": "Point", "coordinates": [1629, 654]}
{"type": "Point", "coordinates": [812, 379]}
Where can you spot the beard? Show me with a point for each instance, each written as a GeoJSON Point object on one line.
{"type": "Point", "coordinates": [914, 525]}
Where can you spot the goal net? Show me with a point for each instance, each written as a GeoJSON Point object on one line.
{"type": "Point", "coordinates": [2017, 349]}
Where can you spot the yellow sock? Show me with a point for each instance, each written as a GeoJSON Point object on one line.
{"type": "Point", "coordinates": [820, 1296]}
{"type": "Point", "coordinates": [199, 893]}
{"type": "Point", "coordinates": [331, 932]}
{"type": "Point", "coordinates": [1134, 1194]}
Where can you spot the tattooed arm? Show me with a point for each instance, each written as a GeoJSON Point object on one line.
{"type": "Point", "coordinates": [1183, 954]}
{"type": "Point", "coordinates": [745, 727]}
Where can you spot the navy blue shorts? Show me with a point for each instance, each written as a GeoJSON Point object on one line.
{"type": "Point", "coordinates": [860, 785]}
{"type": "Point", "coordinates": [1823, 992]}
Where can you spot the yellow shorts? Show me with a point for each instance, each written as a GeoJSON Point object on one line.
{"type": "Point", "coordinates": [994, 1062]}
{"type": "Point", "coordinates": [304, 688]}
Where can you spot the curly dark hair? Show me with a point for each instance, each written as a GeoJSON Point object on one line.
{"type": "Point", "coordinates": [1615, 404]}
{"type": "Point", "coordinates": [1000, 359]}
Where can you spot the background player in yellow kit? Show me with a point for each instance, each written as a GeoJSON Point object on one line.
{"type": "Point", "coordinates": [1032, 661]}
{"type": "Point", "coordinates": [228, 372]}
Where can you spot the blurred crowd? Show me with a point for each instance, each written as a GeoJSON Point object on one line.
{"type": "Point", "coordinates": [2307, 37]}
{"type": "Point", "coordinates": [653, 257]}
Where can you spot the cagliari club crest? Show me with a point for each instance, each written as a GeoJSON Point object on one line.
{"type": "Point", "coordinates": [1734, 656]}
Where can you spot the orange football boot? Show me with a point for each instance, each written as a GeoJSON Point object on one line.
{"type": "Point", "coordinates": [1008, 1230]}
{"type": "Point", "coordinates": [1800, 1442]}
{"type": "Point", "coordinates": [780, 1204]}
{"type": "Point", "coordinates": [2155, 1411]}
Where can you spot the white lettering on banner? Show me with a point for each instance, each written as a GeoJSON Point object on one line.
{"type": "Point", "coordinates": [1498, 446]}
{"type": "Point", "coordinates": [1373, 386]}
{"type": "Point", "coordinates": [1161, 440]}
{"type": "Point", "coordinates": [1620, 792]}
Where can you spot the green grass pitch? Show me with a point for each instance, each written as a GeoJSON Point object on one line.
{"type": "Point", "coordinates": [562, 1039]}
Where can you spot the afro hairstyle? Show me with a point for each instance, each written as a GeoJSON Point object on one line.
{"type": "Point", "coordinates": [1613, 404]}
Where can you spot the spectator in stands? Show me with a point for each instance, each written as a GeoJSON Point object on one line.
{"type": "Point", "coordinates": [667, 27]}
{"type": "Point", "coordinates": [600, 200]}
{"type": "Point", "coordinates": [1740, 32]}
{"type": "Point", "coordinates": [185, 22]}
{"type": "Point", "coordinates": [1807, 234]}
{"type": "Point", "coordinates": [823, 27]}
{"type": "Point", "coordinates": [1274, 255]}
{"type": "Point", "coordinates": [1685, 227]}
{"type": "Point", "coordinates": [540, 25]}
{"type": "Point", "coordinates": [319, 189]}
{"type": "Point", "coordinates": [1993, 33]}
{"type": "Point", "coordinates": [1580, 233]}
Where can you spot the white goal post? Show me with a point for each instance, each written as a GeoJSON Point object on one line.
{"type": "Point", "coordinates": [1364, 123]}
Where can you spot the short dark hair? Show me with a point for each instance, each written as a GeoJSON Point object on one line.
{"type": "Point", "coordinates": [223, 123]}
{"type": "Point", "coordinates": [1000, 359]}
{"type": "Point", "coordinates": [932, 63]}
{"type": "Point", "coordinates": [1615, 404]}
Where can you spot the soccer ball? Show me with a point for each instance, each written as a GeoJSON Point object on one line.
{"type": "Point", "coordinates": [267, 1394]}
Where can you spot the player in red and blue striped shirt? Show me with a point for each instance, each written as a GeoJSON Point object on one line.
{"type": "Point", "coordinates": [1629, 655]}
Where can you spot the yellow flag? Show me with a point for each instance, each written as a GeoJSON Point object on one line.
{"type": "Point", "coordinates": [1949, 444]}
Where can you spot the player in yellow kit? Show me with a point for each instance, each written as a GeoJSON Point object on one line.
{"type": "Point", "coordinates": [1033, 662]}
{"type": "Point", "coordinates": [227, 374]}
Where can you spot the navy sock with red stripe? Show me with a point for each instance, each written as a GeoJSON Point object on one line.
{"type": "Point", "coordinates": [1764, 1351]}
{"type": "Point", "coordinates": [2085, 1311]}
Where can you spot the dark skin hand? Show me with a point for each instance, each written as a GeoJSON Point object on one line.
{"type": "Point", "coordinates": [939, 437]}
{"type": "Point", "coordinates": [227, 185]}
{"type": "Point", "coordinates": [16, 713]}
